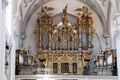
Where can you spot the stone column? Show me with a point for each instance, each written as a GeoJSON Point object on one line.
{"type": "Point", "coordinates": [118, 54]}
{"type": "Point", "coordinates": [118, 59]}
{"type": "Point", "coordinates": [107, 43]}
{"type": "Point", "coordinates": [2, 40]}
{"type": "Point", "coordinates": [117, 42]}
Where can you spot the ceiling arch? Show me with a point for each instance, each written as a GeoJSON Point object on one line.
{"type": "Point", "coordinates": [34, 6]}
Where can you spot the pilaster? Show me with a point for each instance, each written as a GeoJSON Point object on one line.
{"type": "Point", "coordinates": [2, 41]}
{"type": "Point", "coordinates": [117, 42]}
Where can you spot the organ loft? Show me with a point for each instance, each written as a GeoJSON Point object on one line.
{"type": "Point", "coordinates": [63, 48]}
{"type": "Point", "coordinates": [66, 48]}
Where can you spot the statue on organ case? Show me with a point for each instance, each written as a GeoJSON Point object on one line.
{"type": "Point", "coordinates": [85, 23]}
{"type": "Point", "coordinates": [65, 16]}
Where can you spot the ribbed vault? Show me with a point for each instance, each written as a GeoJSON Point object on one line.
{"type": "Point", "coordinates": [31, 8]}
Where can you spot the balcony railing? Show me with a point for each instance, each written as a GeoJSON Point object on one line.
{"type": "Point", "coordinates": [99, 71]}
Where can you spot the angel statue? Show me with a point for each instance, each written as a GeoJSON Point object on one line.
{"type": "Point", "coordinates": [64, 16]}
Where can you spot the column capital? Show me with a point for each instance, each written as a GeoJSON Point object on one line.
{"type": "Point", "coordinates": [106, 35]}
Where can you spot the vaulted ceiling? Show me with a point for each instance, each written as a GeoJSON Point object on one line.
{"type": "Point", "coordinates": [27, 8]}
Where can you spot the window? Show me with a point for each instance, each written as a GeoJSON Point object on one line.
{"type": "Point", "coordinates": [55, 67]}
{"type": "Point", "coordinates": [64, 67]}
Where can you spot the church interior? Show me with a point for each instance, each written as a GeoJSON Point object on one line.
{"type": "Point", "coordinates": [59, 39]}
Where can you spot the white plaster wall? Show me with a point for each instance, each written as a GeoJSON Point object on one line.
{"type": "Point", "coordinates": [26, 6]}
{"type": "Point", "coordinates": [117, 40]}
{"type": "Point", "coordinates": [30, 40]}
{"type": "Point", "coordinates": [16, 7]}
{"type": "Point", "coordinates": [2, 43]}
{"type": "Point", "coordinates": [114, 4]}
{"type": "Point", "coordinates": [12, 60]}
{"type": "Point", "coordinates": [118, 5]}
{"type": "Point", "coordinates": [72, 5]}
{"type": "Point", "coordinates": [12, 54]}
{"type": "Point", "coordinates": [104, 5]}
{"type": "Point", "coordinates": [15, 36]}
{"type": "Point", "coordinates": [117, 43]}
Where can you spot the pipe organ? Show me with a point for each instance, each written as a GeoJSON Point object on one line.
{"type": "Point", "coordinates": [64, 48]}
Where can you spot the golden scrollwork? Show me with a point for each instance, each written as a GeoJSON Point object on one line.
{"type": "Point", "coordinates": [45, 19]}
{"type": "Point", "coordinates": [65, 58]}
{"type": "Point", "coordinates": [64, 33]}
{"type": "Point", "coordinates": [84, 17]}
